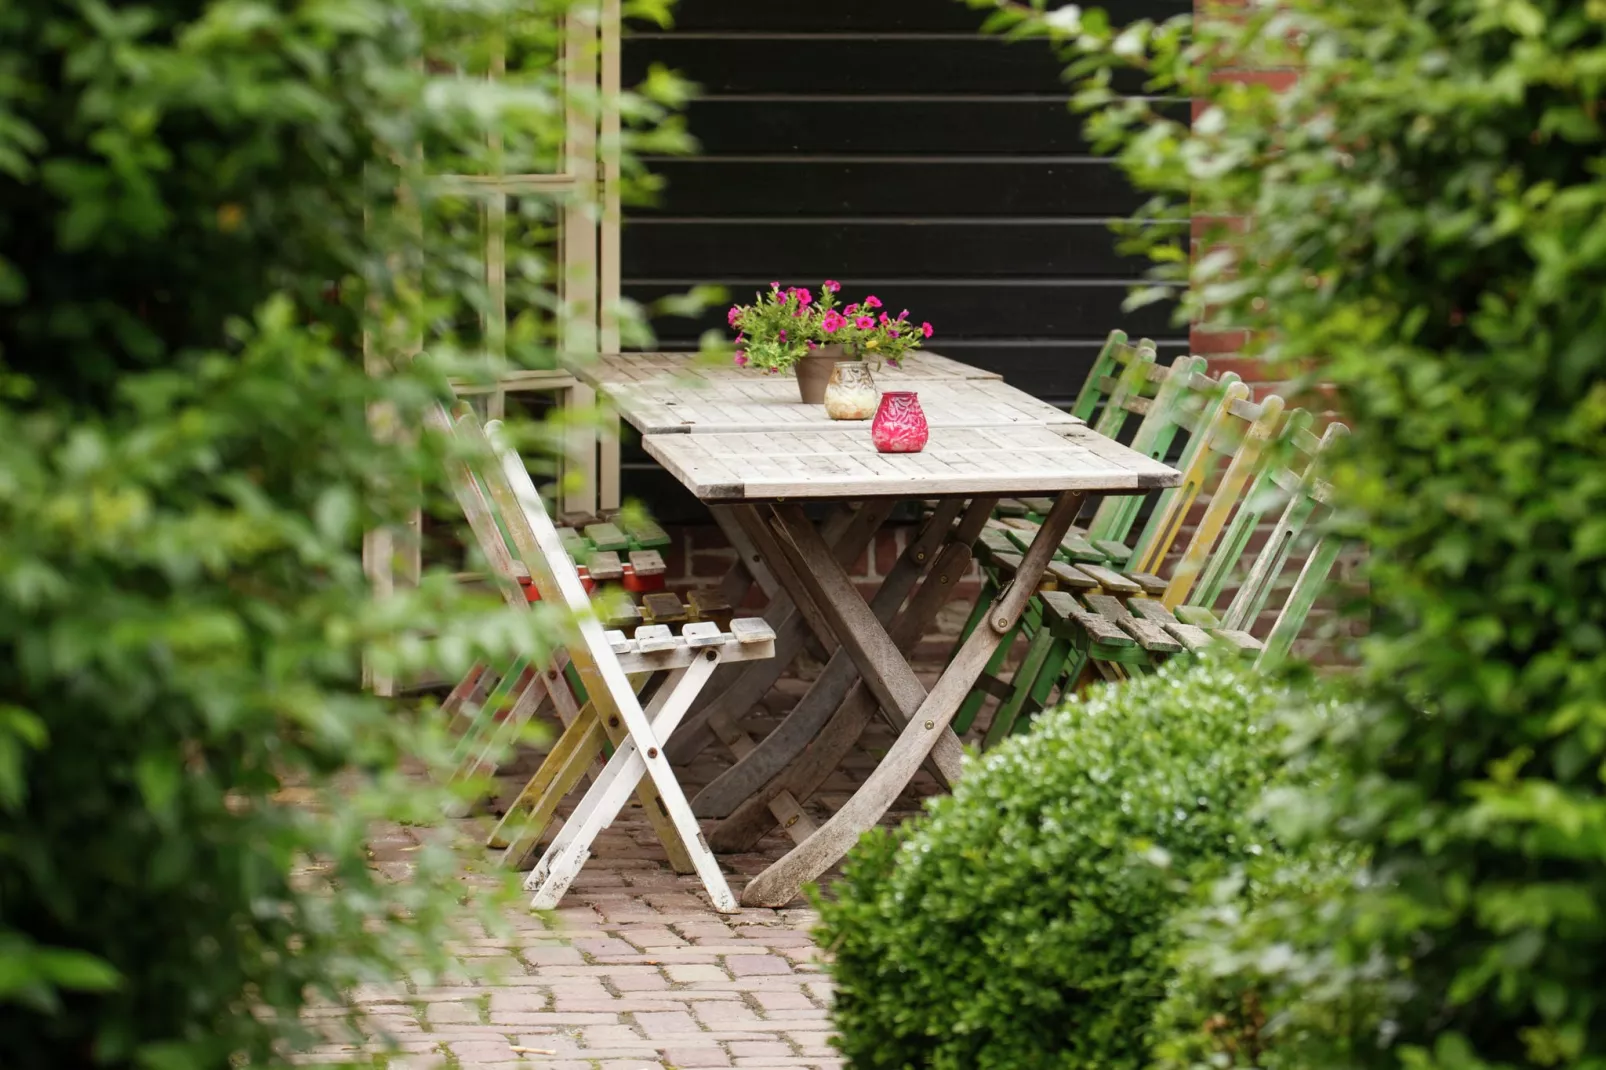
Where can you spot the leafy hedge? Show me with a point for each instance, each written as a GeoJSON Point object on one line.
{"type": "Point", "coordinates": [205, 205]}
{"type": "Point", "coordinates": [1026, 920]}
{"type": "Point", "coordinates": [1428, 237]}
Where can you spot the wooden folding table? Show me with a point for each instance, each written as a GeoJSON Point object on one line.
{"type": "Point", "coordinates": [754, 455]}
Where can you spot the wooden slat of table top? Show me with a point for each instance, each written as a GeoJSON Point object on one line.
{"type": "Point", "coordinates": [612, 369]}
{"type": "Point", "coordinates": [832, 463]}
{"type": "Point", "coordinates": [665, 407]}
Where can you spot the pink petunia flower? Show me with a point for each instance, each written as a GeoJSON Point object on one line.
{"type": "Point", "coordinates": [733, 315]}
{"type": "Point", "coordinates": [893, 333]}
{"type": "Point", "coordinates": [883, 319]}
{"type": "Point", "coordinates": [782, 336]}
{"type": "Point", "coordinates": [832, 322]}
{"type": "Point", "coordinates": [872, 301]}
{"type": "Point", "coordinates": [831, 286]}
{"type": "Point", "coordinates": [925, 329]}
{"type": "Point", "coordinates": [850, 310]}
{"type": "Point", "coordinates": [811, 345]}
{"type": "Point", "coordinates": [741, 358]}
{"type": "Point", "coordinates": [775, 286]}
{"type": "Point", "coordinates": [864, 323]}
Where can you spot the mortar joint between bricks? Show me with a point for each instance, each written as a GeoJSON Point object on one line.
{"type": "Point", "coordinates": [750, 1000]}
{"type": "Point", "coordinates": [628, 1018]}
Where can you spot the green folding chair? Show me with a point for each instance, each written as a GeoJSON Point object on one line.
{"type": "Point", "coordinates": [1185, 400]}
{"type": "Point", "coordinates": [1134, 630]}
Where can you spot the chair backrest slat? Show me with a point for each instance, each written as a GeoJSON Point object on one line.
{"type": "Point", "coordinates": [1125, 388]}
{"type": "Point", "coordinates": [540, 548]}
{"type": "Point", "coordinates": [1283, 459]}
{"type": "Point", "coordinates": [1301, 599]}
{"type": "Point", "coordinates": [1197, 464]}
{"type": "Point", "coordinates": [1256, 426]}
{"type": "Point", "coordinates": [1308, 497]}
{"type": "Point", "coordinates": [1155, 435]}
{"type": "Point", "coordinates": [489, 534]}
{"type": "Point", "coordinates": [1087, 399]}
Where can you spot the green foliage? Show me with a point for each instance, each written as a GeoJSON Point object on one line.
{"type": "Point", "coordinates": [1025, 921]}
{"type": "Point", "coordinates": [1429, 233]}
{"type": "Point", "coordinates": [205, 209]}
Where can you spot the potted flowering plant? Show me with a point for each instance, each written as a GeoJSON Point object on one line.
{"type": "Point", "coordinates": [791, 329]}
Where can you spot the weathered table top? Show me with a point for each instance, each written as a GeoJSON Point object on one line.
{"type": "Point", "coordinates": [732, 434]}
{"type": "Point", "coordinates": [957, 462]}
{"type": "Point", "coordinates": [668, 393]}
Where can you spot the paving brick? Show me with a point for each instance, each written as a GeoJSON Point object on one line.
{"type": "Point", "coordinates": [650, 981]}
{"type": "Point", "coordinates": [667, 1023]}
{"type": "Point", "coordinates": [552, 955]}
{"type": "Point", "coordinates": [516, 1000]}
{"type": "Point", "coordinates": [760, 1048]}
{"type": "Point", "coordinates": [598, 946]}
{"type": "Point", "coordinates": [478, 1052]}
{"type": "Point", "coordinates": [783, 1000]}
{"type": "Point", "coordinates": [812, 1042]}
{"type": "Point", "coordinates": [692, 973]}
{"type": "Point", "coordinates": [609, 1036]}
{"type": "Point", "coordinates": [726, 1014]}
{"type": "Point", "coordinates": [689, 1058]}
{"type": "Point", "coordinates": [756, 965]}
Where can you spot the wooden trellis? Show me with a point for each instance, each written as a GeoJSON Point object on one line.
{"type": "Point", "coordinates": [586, 192]}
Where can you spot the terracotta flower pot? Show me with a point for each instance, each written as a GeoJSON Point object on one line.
{"type": "Point", "coordinates": [814, 372]}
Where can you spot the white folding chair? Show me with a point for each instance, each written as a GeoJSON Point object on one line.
{"type": "Point", "coordinates": [482, 736]}
{"type": "Point", "coordinates": [605, 662]}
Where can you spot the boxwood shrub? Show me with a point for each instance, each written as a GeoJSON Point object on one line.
{"type": "Point", "coordinates": [1025, 920]}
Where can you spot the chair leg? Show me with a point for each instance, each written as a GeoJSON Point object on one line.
{"type": "Point", "coordinates": [525, 821]}
{"type": "Point", "coordinates": [1047, 681]}
{"type": "Point", "coordinates": [1025, 682]}
{"type": "Point", "coordinates": [484, 719]}
{"type": "Point", "coordinates": [988, 682]}
{"type": "Point", "coordinates": [582, 743]}
{"type": "Point", "coordinates": [568, 852]}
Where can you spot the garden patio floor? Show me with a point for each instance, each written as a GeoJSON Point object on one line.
{"type": "Point", "coordinates": [637, 970]}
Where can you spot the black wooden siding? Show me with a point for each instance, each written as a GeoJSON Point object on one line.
{"type": "Point", "coordinates": [891, 145]}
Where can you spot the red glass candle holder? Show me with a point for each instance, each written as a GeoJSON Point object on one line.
{"type": "Point", "coordinates": [900, 424]}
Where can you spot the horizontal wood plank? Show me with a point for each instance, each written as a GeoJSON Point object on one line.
{"type": "Point", "coordinates": [912, 126]}
{"type": "Point", "coordinates": [927, 16]}
{"type": "Point", "coordinates": [1080, 187]}
{"type": "Point", "coordinates": [926, 248]}
{"type": "Point", "coordinates": [834, 63]}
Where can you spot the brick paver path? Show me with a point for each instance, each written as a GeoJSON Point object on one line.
{"type": "Point", "coordinates": [636, 969]}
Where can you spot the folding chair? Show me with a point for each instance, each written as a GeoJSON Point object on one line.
{"type": "Point", "coordinates": [1137, 631]}
{"type": "Point", "coordinates": [1184, 400]}
{"type": "Point", "coordinates": [604, 662]}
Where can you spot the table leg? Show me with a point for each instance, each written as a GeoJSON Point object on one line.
{"type": "Point", "coordinates": [779, 884]}
{"type": "Point", "coordinates": [737, 688]}
{"type": "Point", "coordinates": [786, 742]}
{"type": "Point", "coordinates": [750, 821]}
